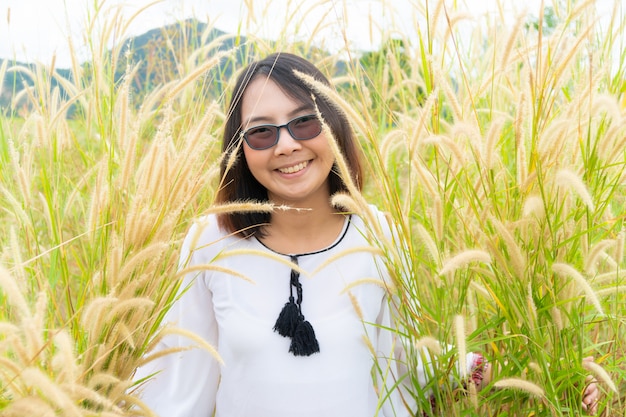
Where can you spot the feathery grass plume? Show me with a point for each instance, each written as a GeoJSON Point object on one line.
{"type": "Point", "coordinates": [568, 179]}
{"type": "Point", "coordinates": [614, 141]}
{"type": "Point", "coordinates": [136, 260]}
{"type": "Point", "coordinates": [459, 331]}
{"type": "Point", "coordinates": [479, 288]}
{"type": "Point", "coordinates": [340, 103]}
{"type": "Point", "coordinates": [532, 307]}
{"type": "Point", "coordinates": [610, 278]}
{"type": "Point", "coordinates": [619, 248]}
{"type": "Point", "coordinates": [375, 281]}
{"type": "Point", "coordinates": [29, 406]}
{"type": "Point", "coordinates": [429, 343]}
{"type": "Point", "coordinates": [568, 271]}
{"type": "Point", "coordinates": [437, 217]}
{"type": "Point", "coordinates": [213, 267]}
{"type": "Point", "coordinates": [490, 154]}
{"type": "Point", "coordinates": [451, 97]}
{"type": "Point", "coordinates": [599, 372]}
{"type": "Point", "coordinates": [357, 204]}
{"type": "Point", "coordinates": [263, 254]}
{"type": "Point", "coordinates": [17, 207]}
{"type": "Point", "coordinates": [520, 385]}
{"type": "Point", "coordinates": [557, 318]}
{"type": "Point", "coordinates": [535, 367]}
{"type": "Point", "coordinates": [520, 147]}
{"type": "Point", "coordinates": [63, 361]}
{"type": "Point", "coordinates": [244, 207]}
{"type": "Point", "coordinates": [20, 174]}
{"type": "Point", "coordinates": [513, 249]}
{"type": "Point", "coordinates": [355, 304]}
{"type": "Point", "coordinates": [439, 140]}
{"type": "Point", "coordinates": [616, 290]}
{"type": "Point", "coordinates": [463, 259]}
{"type": "Point", "coordinates": [14, 296]}
{"type": "Point", "coordinates": [357, 249]}
{"type": "Point", "coordinates": [509, 45]}
{"type": "Point", "coordinates": [533, 205]}
{"type": "Point", "coordinates": [35, 379]}
{"type": "Point", "coordinates": [93, 314]}
{"type": "Point", "coordinates": [200, 342]}
{"type": "Point", "coordinates": [196, 73]}
{"type": "Point", "coordinates": [389, 144]}
{"type": "Point", "coordinates": [429, 243]}
{"type": "Point", "coordinates": [593, 257]}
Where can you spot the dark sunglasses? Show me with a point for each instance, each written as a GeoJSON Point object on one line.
{"type": "Point", "coordinates": [265, 136]}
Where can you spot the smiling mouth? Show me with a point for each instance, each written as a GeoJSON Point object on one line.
{"type": "Point", "coordinates": [294, 169]}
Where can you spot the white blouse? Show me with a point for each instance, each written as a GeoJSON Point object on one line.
{"type": "Point", "coordinates": [233, 304]}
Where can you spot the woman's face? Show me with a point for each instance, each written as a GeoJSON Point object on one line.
{"type": "Point", "coordinates": [294, 172]}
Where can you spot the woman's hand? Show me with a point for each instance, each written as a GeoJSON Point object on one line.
{"type": "Point", "coordinates": [590, 396]}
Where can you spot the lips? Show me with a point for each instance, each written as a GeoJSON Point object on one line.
{"type": "Point", "coordinates": [295, 168]}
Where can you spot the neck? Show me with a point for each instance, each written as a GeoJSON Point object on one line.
{"type": "Point", "coordinates": [303, 230]}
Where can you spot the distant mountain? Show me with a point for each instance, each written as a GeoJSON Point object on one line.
{"type": "Point", "coordinates": [157, 53]}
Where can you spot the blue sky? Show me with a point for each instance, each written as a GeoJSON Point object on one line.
{"type": "Point", "coordinates": [38, 29]}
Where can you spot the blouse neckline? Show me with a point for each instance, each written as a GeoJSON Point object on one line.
{"type": "Point", "coordinates": [343, 233]}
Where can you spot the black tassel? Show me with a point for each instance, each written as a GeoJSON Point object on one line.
{"type": "Point", "coordinates": [291, 322]}
{"type": "Point", "coordinates": [304, 342]}
{"type": "Point", "coordinates": [288, 319]}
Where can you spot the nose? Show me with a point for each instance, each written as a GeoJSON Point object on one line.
{"type": "Point", "coordinates": [286, 143]}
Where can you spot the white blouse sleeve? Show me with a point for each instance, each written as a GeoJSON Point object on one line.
{"type": "Point", "coordinates": [185, 383]}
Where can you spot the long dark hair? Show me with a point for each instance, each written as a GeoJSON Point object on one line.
{"type": "Point", "coordinates": [238, 183]}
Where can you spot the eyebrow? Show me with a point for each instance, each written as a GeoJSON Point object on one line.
{"type": "Point", "coordinates": [291, 114]}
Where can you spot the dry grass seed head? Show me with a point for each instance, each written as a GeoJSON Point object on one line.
{"type": "Point", "coordinates": [569, 180]}
{"type": "Point", "coordinates": [599, 372]}
{"type": "Point", "coordinates": [463, 259]}
{"type": "Point", "coordinates": [595, 255]}
{"type": "Point", "coordinates": [430, 343]}
{"type": "Point", "coordinates": [490, 154]}
{"type": "Point", "coordinates": [141, 258]}
{"type": "Point", "coordinates": [513, 249]}
{"type": "Point", "coordinates": [357, 249]}
{"type": "Point", "coordinates": [94, 313]}
{"type": "Point", "coordinates": [215, 268]}
{"type": "Point", "coordinates": [566, 270]}
{"type": "Point", "coordinates": [375, 281]}
{"type": "Point", "coordinates": [81, 393]}
{"type": "Point", "coordinates": [14, 296]}
{"type": "Point", "coordinates": [520, 385]}
{"type": "Point", "coordinates": [533, 205]}
{"type": "Point", "coordinates": [459, 330]}
{"type": "Point", "coordinates": [429, 243]}
{"type": "Point", "coordinates": [29, 406]}
{"type": "Point", "coordinates": [200, 342]}
{"type": "Point", "coordinates": [355, 304]}
{"type": "Point", "coordinates": [64, 363]}
{"type": "Point", "coordinates": [53, 393]}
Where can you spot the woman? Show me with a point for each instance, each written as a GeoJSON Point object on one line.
{"type": "Point", "coordinates": [271, 292]}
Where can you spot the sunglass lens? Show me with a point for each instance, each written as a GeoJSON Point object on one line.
{"type": "Point", "coordinates": [306, 127]}
{"type": "Point", "coordinates": [261, 137]}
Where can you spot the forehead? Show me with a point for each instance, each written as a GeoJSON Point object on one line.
{"type": "Point", "coordinates": [264, 99]}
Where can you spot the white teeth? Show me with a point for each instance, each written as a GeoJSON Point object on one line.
{"type": "Point", "coordinates": [295, 168]}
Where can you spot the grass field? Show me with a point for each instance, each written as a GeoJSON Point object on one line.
{"type": "Point", "coordinates": [498, 150]}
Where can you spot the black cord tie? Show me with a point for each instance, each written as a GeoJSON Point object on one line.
{"type": "Point", "coordinates": [291, 322]}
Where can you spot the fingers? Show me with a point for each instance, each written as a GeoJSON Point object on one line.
{"type": "Point", "coordinates": [590, 396]}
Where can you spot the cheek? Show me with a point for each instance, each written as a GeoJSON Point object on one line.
{"type": "Point", "coordinates": [254, 160]}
